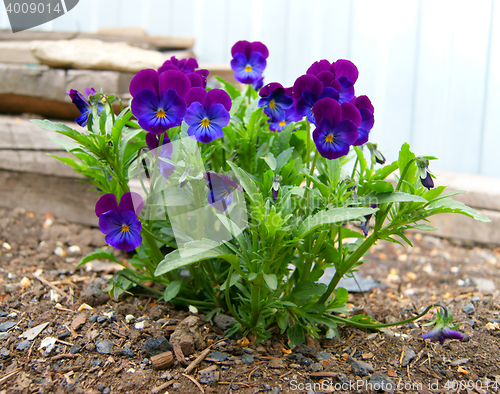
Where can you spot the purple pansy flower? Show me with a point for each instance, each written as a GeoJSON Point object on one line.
{"type": "Point", "coordinates": [275, 101]}
{"type": "Point", "coordinates": [444, 328]}
{"type": "Point", "coordinates": [220, 190]}
{"type": "Point", "coordinates": [119, 222]}
{"type": "Point", "coordinates": [365, 107]}
{"type": "Point", "coordinates": [153, 141]}
{"type": "Point", "coordinates": [334, 132]}
{"type": "Point", "coordinates": [258, 84]}
{"type": "Point", "coordinates": [207, 114]}
{"type": "Point", "coordinates": [365, 226]}
{"type": "Point", "coordinates": [159, 99]}
{"type": "Point", "coordinates": [340, 75]}
{"type": "Point", "coordinates": [307, 90]}
{"type": "Point", "coordinates": [425, 174]}
{"type": "Point", "coordinates": [83, 105]}
{"type": "Point", "coordinates": [187, 66]}
{"type": "Point", "coordinates": [291, 115]}
{"type": "Point", "coordinates": [249, 61]}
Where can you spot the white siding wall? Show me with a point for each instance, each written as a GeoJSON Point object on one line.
{"type": "Point", "coordinates": [431, 67]}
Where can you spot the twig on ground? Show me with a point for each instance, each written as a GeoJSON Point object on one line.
{"type": "Point", "coordinates": [252, 371]}
{"type": "Point", "coordinates": [197, 360]}
{"type": "Point", "coordinates": [195, 382]}
{"type": "Point", "coordinates": [62, 356]}
{"type": "Point", "coordinates": [158, 389]}
{"type": "Point", "coordinates": [47, 283]}
{"type": "Point", "coordinates": [401, 357]}
{"type": "Point", "coordinates": [179, 355]}
{"type": "Point", "coordinates": [9, 375]}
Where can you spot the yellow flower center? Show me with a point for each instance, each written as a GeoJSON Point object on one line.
{"type": "Point", "coordinates": [160, 113]}
{"type": "Point", "coordinates": [272, 104]}
{"type": "Point", "coordinates": [248, 68]}
{"type": "Point", "coordinates": [104, 99]}
{"type": "Point", "coordinates": [282, 123]}
{"type": "Point", "coordinates": [329, 138]}
{"type": "Point", "coordinates": [205, 122]}
{"type": "Point", "coordinates": [125, 228]}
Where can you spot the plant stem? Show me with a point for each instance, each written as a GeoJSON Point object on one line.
{"type": "Point", "coordinates": [308, 139]}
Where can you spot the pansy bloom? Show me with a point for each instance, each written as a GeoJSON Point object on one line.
{"type": "Point", "coordinates": [291, 115]}
{"type": "Point", "coordinates": [83, 105]}
{"type": "Point", "coordinates": [275, 101]}
{"type": "Point", "coordinates": [249, 61]}
{"type": "Point", "coordinates": [220, 190]}
{"type": "Point", "coordinates": [207, 114]}
{"type": "Point", "coordinates": [189, 67]}
{"type": "Point", "coordinates": [335, 129]}
{"type": "Point", "coordinates": [159, 99]}
{"type": "Point", "coordinates": [119, 222]}
{"type": "Point", "coordinates": [341, 75]}
{"type": "Point", "coordinates": [153, 141]}
{"type": "Point", "coordinates": [425, 174]}
{"type": "Point", "coordinates": [307, 90]}
{"type": "Point", "coordinates": [443, 328]}
{"type": "Point", "coordinates": [365, 107]}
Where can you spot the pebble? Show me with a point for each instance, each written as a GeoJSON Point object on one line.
{"type": "Point", "coordinates": [306, 361]}
{"type": "Point", "coordinates": [141, 325]}
{"type": "Point", "coordinates": [107, 390]}
{"type": "Point", "coordinates": [4, 353]}
{"type": "Point", "coordinates": [276, 363]}
{"type": "Point", "coordinates": [307, 351]}
{"type": "Point", "coordinates": [408, 356]}
{"type": "Point", "coordinates": [315, 367]}
{"type": "Point", "coordinates": [468, 309]}
{"type": "Point", "coordinates": [382, 383]}
{"type": "Point", "coordinates": [323, 356]}
{"type": "Point", "coordinates": [176, 386]}
{"type": "Point", "coordinates": [207, 377]}
{"type": "Point", "coordinates": [23, 345]}
{"type": "Point", "coordinates": [166, 375]}
{"type": "Point", "coordinates": [95, 363]}
{"type": "Point", "coordinates": [224, 322]}
{"type": "Point", "coordinates": [475, 299]}
{"type": "Point", "coordinates": [75, 348]}
{"type": "Point", "coordinates": [276, 390]}
{"type": "Point", "coordinates": [219, 356]}
{"type": "Point", "coordinates": [102, 319]}
{"type": "Point", "coordinates": [295, 357]}
{"type": "Point", "coordinates": [104, 347]}
{"type": "Point", "coordinates": [361, 368]}
{"type": "Point", "coordinates": [129, 318]}
{"type": "Point", "coordinates": [154, 346]}
{"type": "Point", "coordinates": [247, 359]}
{"type": "Point", "coordinates": [127, 352]}
{"type": "Point", "coordinates": [7, 325]}
{"type": "Point", "coordinates": [64, 335]}
{"type": "Point", "coordinates": [267, 387]}
{"type": "Point", "coordinates": [3, 314]}
{"type": "Point", "coordinates": [93, 319]}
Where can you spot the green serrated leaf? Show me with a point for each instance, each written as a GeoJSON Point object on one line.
{"type": "Point", "coordinates": [450, 205]}
{"type": "Point", "coordinates": [270, 160]}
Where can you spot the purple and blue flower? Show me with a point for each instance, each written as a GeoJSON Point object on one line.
{"type": "Point", "coordinates": [119, 222]}
{"type": "Point", "coordinates": [207, 114]}
{"type": "Point", "coordinates": [307, 90]}
{"type": "Point", "coordinates": [291, 115]}
{"type": "Point", "coordinates": [159, 99]}
{"type": "Point", "coordinates": [444, 328]}
{"type": "Point", "coordinates": [220, 190]}
{"type": "Point", "coordinates": [275, 101]}
{"type": "Point", "coordinates": [335, 132]}
{"type": "Point", "coordinates": [249, 61]}
{"type": "Point", "coordinates": [82, 103]}
{"type": "Point", "coordinates": [188, 67]}
{"type": "Point", "coordinates": [365, 107]}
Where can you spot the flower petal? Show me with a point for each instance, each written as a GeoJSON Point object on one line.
{"type": "Point", "coordinates": [346, 131]}
{"type": "Point", "coordinates": [218, 114]}
{"type": "Point", "coordinates": [131, 202]}
{"type": "Point", "coordinates": [257, 46]}
{"type": "Point", "coordinates": [145, 79]}
{"type": "Point", "coordinates": [350, 112]}
{"type": "Point", "coordinates": [145, 102]}
{"type": "Point", "coordinates": [110, 221]}
{"type": "Point", "coordinates": [452, 334]}
{"type": "Point", "coordinates": [320, 66]}
{"type": "Point", "coordinates": [126, 240]}
{"type": "Point", "coordinates": [197, 94]}
{"type": "Point", "coordinates": [195, 113]}
{"type": "Point", "coordinates": [176, 80]}
{"type": "Point", "coordinates": [218, 96]}
{"type": "Point", "coordinates": [346, 68]}
{"type": "Point", "coordinates": [367, 119]}
{"type": "Point", "coordinates": [327, 108]}
{"type": "Point", "coordinates": [307, 83]}
{"type": "Point", "coordinates": [243, 47]}
{"type": "Point", "coordinates": [106, 203]}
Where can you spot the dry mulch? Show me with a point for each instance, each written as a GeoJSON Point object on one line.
{"type": "Point", "coordinates": [111, 348]}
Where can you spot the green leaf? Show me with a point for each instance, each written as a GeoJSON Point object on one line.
{"type": "Point", "coordinates": [384, 198]}
{"type": "Point", "coordinates": [283, 139]}
{"type": "Point", "coordinates": [333, 167]}
{"type": "Point", "coordinates": [171, 290]}
{"type": "Point", "coordinates": [97, 255]}
{"type": "Point", "coordinates": [382, 187]}
{"type": "Point", "coordinates": [385, 171]}
{"type": "Point", "coordinates": [234, 279]}
{"type": "Point", "coordinates": [305, 290]}
{"type": "Point", "coordinates": [52, 126]}
{"type": "Point", "coordinates": [270, 160]}
{"type": "Point", "coordinates": [450, 205]}
{"type": "Point", "coordinates": [405, 156]}
{"type": "Point", "coordinates": [251, 112]}
{"type": "Point", "coordinates": [236, 105]}
{"type": "Point", "coordinates": [423, 227]}
{"type": "Point", "coordinates": [283, 158]}
{"type": "Point", "coordinates": [271, 281]}
{"type": "Point", "coordinates": [248, 184]}
{"type": "Point", "coordinates": [65, 144]}
{"type": "Point", "coordinates": [194, 252]}
{"type": "Point", "coordinates": [295, 335]}
{"type": "Point", "coordinates": [331, 216]}
{"type": "Point", "coordinates": [229, 88]}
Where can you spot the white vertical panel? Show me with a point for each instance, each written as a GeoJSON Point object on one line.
{"type": "Point", "coordinates": [214, 30]}
{"type": "Point", "coordinates": [331, 29]}
{"type": "Point", "coordinates": [491, 137]}
{"type": "Point", "coordinates": [183, 17]}
{"type": "Point", "coordinates": [384, 50]}
{"type": "Point", "coordinates": [160, 17]}
{"type": "Point", "coordinates": [243, 23]}
{"type": "Point", "coordinates": [4, 18]}
{"type": "Point", "coordinates": [273, 34]}
{"type": "Point", "coordinates": [452, 72]}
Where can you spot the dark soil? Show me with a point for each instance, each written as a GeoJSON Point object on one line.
{"type": "Point", "coordinates": [99, 351]}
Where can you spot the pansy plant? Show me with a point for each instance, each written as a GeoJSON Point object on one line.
{"type": "Point", "coordinates": [236, 201]}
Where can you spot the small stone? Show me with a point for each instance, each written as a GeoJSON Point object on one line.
{"type": "Point", "coordinates": [207, 377]}
{"type": "Point", "coordinates": [360, 368]}
{"type": "Point", "coordinates": [101, 387]}
{"type": "Point", "coordinates": [78, 321]}
{"type": "Point", "coordinates": [315, 367]}
{"type": "Point", "coordinates": [4, 353]}
{"type": "Point", "coordinates": [460, 361]}
{"type": "Point", "coordinates": [382, 383]}
{"type": "Point", "coordinates": [224, 322]}
{"type": "Point", "coordinates": [102, 319]}
{"type": "Point", "coordinates": [176, 386]}
{"type": "Point", "coordinates": [107, 390]}
{"type": "Point", "coordinates": [154, 346]}
{"type": "Point", "coordinates": [6, 326]}
{"type": "Point", "coordinates": [307, 351]}
{"type": "Point", "coordinates": [276, 363]}
{"type": "Point", "coordinates": [306, 361]}
{"type": "Point", "coordinates": [93, 319]}
{"type": "Point", "coordinates": [323, 356]}
{"type": "Point", "coordinates": [74, 249]}
{"type": "Point", "coordinates": [64, 335]}
{"type": "Point", "coordinates": [276, 390]}
{"type": "Point", "coordinates": [267, 387]}
{"type": "Point", "coordinates": [3, 314]}
{"type": "Point", "coordinates": [408, 356]}
{"type": "Point", "coordinates": [23, 345]}
{"type": "Point", "coordinates": [412, 325]}
{"type": "Point", "coordinates": [33, 332]}
{"type": "Point", "coordinates": [469, 309]}
{"type": "Point", "coordinates": [247, 359]}
{"type": "Point", "coordinates": [475, 299]}
{"type": "Point", "coordinates": [219, 356]}
{"type": "Point", "coordinates": [75, 348]}
{"type": "Point", "coordinates": [104, 347]}
{"type": "Point", "coordinates": [166, 375]}
{"type": "Point", "coordinates": [127, 352]}
{"type": "Point", "coordinates": [141, 325]}
{"type": "Point", "coordinates": [95, 363]}
{"type": "Point", "coordinates": [295, 357]}
{"type": "Point", "coordinates": [129, 319]}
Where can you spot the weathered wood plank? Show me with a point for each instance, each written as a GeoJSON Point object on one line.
{"type": "Point", "coordinates": [36, 162]}
{"type": "Point", "coordinates": [65, 198]}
